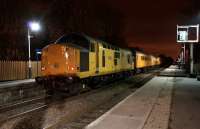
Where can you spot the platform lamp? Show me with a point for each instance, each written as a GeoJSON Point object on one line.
{"type": "Point", "coordinates": [32, 27]}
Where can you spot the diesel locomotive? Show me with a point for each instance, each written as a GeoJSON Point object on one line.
{"type": "Point", "coordinates": [76, 60]}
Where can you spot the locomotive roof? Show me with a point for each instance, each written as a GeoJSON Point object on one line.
{"type": "Point", "coordinates": [80, 40]}
{"type": "Point", "coordinates": [134, 50]}
{"type": "Point", "coordinates": [74, 40]}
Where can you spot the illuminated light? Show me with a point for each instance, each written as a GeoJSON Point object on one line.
{"type": "Point", "coordinates": [39, 53]}
{"type": "Point", "coordinates": [43, 68]}
{"type": "Point", "coordinates": [84, 86]}
{"type": "Point", "coordinates": [34, 26]}
{"type": "Point", "coordinates": [72, 68]}
{"type": "Point", "coordinates": [66, 55]}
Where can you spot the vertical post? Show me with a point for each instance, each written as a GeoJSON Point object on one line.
{"type": "Point", "coordinates": [181, 57]}
{"type": "Point", "coordinates": [183, 54]}
{"type": "Point", "coordinates": [198, 33]}
{"type": "Point", "coordinates": [184, 59]}
{"type": "Point", "coordinates": [191, 59]}
{"type": "Point", "coordinates": [29, 54]}
{"type": "Point", "coordinates": [37, 62]}
{"type": "Point", "coordinates": [184, 33]}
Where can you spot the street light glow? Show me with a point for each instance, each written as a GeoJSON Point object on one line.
{"type": "Point", "coordinates": [34, 26]}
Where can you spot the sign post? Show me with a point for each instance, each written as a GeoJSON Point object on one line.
{"type": "Point", "coordinates": [184, 34]}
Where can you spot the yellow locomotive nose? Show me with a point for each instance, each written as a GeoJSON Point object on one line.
{"type": "Point", "coordinates": [59, 59]}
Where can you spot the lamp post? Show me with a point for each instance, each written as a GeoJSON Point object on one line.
{"type": "Point", "coordinates": [32, 26]}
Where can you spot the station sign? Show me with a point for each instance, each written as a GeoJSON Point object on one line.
{"type": "Point", "coordinates": [188, 34]}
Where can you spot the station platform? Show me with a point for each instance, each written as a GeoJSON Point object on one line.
{"type": "Point", "coordinates": [174, 71]}
{"type": "Point", "coordinates": [6, 84]}
{"type": "Point", "coordinates": [155, 106]}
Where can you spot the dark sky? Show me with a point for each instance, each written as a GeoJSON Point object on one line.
{"type": "Point", "coordinates": [151, 24]}
{"type": "Point", "coordinates": [148, 24]}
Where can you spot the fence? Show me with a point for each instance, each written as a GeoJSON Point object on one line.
{"type": "Point", "coordinates": [18, 70]}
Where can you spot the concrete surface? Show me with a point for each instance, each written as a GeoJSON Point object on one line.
{"type": "Point", "coordinates": [159, 116]}
{"type": "Point", "coordinates": [173, 71]}
{"type": "Point", "coordinates": [163, 103]}
{"type": "Point", "coordinates": [138, 110]}
{"type": "Point", "coordinates": [185, 111]}
{"type": "Point", "coordinates": [13, 91]}
{"type": "Point", "coordinates": [14, 83]}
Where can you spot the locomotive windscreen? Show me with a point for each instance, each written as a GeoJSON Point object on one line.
{"type": "Point", "coordinates": [76, 39]}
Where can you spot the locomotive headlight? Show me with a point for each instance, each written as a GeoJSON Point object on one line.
{"type": "Point", "coordinates": [43, 68]}
{"type": "Point", "coordinates": [66, 55]}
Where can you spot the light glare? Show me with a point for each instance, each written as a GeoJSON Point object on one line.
{"type": "Point", "coordinates": [34, 26]}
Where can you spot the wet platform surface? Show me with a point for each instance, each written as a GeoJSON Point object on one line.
{"type": "Point", "coordinates": [173, 71]}
{"type": "Point", "coordinates": [135, 110]}
{"type": "Point", "coordinates": [157, 105]}
{"type": "Point", "coordinates": [185, 113]}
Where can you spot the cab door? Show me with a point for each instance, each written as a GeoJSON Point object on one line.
{"type": "Point", "coordinates": [92, 58]}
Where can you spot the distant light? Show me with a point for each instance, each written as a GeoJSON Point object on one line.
{"type": "Point", "coordinates": [39, 53]}
{"type": "Point", "coordinates": [34, 26]}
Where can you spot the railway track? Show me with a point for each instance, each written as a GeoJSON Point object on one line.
{"type": "Point", "coordinates": [90, 116]}
{"type": "Point", "coordinates": [29, 106]}
{"type": "Point", "coordinates": [22, 107]}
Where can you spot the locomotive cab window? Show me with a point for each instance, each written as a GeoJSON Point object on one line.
{"type": "Point", "coordinates": [75, 40]}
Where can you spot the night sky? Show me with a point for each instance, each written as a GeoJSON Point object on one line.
{"type": "Point", "coordinates": [150, 25]}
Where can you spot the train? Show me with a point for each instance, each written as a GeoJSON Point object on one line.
{"type": "Point", "coordinates": [77, 60]}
